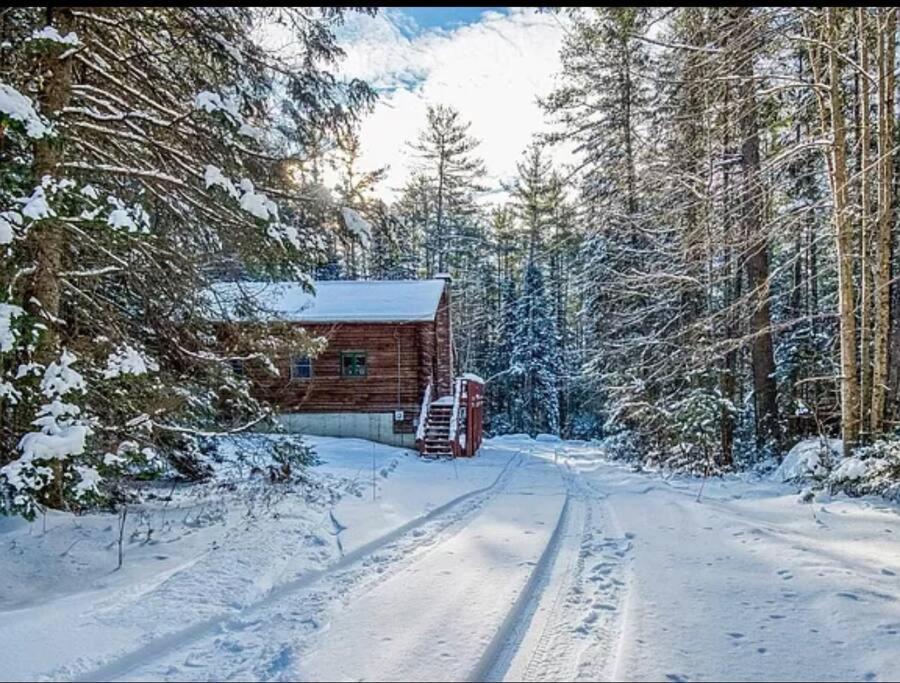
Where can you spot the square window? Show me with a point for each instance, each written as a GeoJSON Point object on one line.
{"type": "Point", "coordinates": [353, 363]}
{"type": "Point", "coordinates": [301, 367]}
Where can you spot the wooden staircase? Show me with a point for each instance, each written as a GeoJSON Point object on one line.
{"type": "Point", "coordinates": [437, 429]}
{"type": "Point", "coordinates": [451, 425]}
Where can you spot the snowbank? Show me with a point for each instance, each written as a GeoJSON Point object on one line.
{"type": "Point", "coordinates": [511, 437]}
{"type": "Point", "coordinates": [809, 458]}
{"type": "Point", "coordinates": [552, 438]}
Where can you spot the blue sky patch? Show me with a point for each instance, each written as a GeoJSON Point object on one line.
{"type": "Point", "coordinates": [442, 18]}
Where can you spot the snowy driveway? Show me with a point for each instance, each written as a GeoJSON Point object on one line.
{"type": "Point", "coordinates": [534, 561]}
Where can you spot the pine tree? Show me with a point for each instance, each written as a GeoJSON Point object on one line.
{"type": "Point", "coordinates": [535, 357]}
{"type": "Point", "coordinates": [356, 191]}
{"type": "Point", "coordinates": [138, 163]}
{"type": "Point", "coordinates": [447, 164]}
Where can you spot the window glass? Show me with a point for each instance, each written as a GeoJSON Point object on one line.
{"type": "Point", "coordinates": [301, 367]}
{"type": "Point", "coordinates": [353, 364]}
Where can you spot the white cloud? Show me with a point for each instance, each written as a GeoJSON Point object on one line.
{"type": "Point", "coordinates": [492, 71]}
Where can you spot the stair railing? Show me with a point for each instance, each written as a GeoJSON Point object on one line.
{"type": "Point", "coordinates": [423, 414]}
{"type": "Point", "coordinates": [454, 416]}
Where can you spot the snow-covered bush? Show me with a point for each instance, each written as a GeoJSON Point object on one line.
{"type": "Point", "coordinates": [585, 426]}
{"type": "Point", "coordinates": [281, 458]}
{"type": "Point", "coordinates": [697, 422]}
{"type": "Point", "coordinates": [873, 470]}
{"type": "Point", "coordinates": [811, 460]}
{"type": "Point", "coordinates": [688, 439]}
{"type": "Point", "coordinates": [624, 445]}
{"type": "Point", "coordinates": [499, 425]}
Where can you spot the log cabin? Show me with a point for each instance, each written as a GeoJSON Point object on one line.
{"type": "Point", "coordinates": [386, 373]}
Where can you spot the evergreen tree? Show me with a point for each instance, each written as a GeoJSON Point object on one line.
{"type": "Point", "coordinates": [535, 358]}
{"type": "Point", "coordinates": [452, 172]}
{"type": "Point", "coordinates": [138, 163]}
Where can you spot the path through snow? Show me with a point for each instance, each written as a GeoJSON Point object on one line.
{"type": "Point", "coordinates": [535, 561]}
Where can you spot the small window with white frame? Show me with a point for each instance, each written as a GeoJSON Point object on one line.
{"type": "Point", "coordinates": [301, 367]}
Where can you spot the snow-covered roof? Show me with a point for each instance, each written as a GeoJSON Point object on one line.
{"type": "Point", "coordinates": [334, 301]}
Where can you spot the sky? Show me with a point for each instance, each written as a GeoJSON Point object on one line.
{"type": "Point", "coordinates": [491, 63]}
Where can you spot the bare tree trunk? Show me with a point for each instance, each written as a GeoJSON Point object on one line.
{"type": "Point", "coordinates": [727, 380]}
{"type": "Point", "coordinates": [832, 114]}
{"type": "Point", "coordinates": [865, 381]}
{"type": "Point", "coordinates": [757, 258]}
{"type": "Point", "coordinates": [883, 242]}
{"type": "Point", "coordinates": [46, 240]}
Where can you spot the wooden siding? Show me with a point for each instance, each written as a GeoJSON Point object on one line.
{"type": "Point", "coordinates": [401, 360]}
{"type": "Point", "coordinates": [391, 381]}
{"type": "Point", "coordinates": [443, 366]}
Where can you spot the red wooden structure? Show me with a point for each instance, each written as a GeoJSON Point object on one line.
{"type": "Point", "coordinates": [452, 425]}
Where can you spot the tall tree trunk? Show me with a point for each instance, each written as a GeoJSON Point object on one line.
{"type": "Point", "coordinates": [439, 237]}
{"type": "Point", "coordinates": [46, 240]}
{"type": "Point", "coordinates": [832, 114]}
{"type": "Point", "coordinates": [883, 242]}
{"type": "Point", "coordinates": [865, 380]}
{"type": "Point", "coordinates": [627, 96]}
{"type": "Point", "coordinates": [757, 258]}
{"type": "Point", "coordinates": [731, 287]}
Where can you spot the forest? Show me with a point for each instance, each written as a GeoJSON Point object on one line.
{"type": "Point", "coordinates": [713, 279]}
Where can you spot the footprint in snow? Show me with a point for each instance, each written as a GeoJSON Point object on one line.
{"type": "Point", "coordinates": [850, 596]}
{"type": "Point", "coordinates": [281, 661]}
{"type": "Point", "coordinates": [736, 635]}
{"type": "Point", "coordinates": [677, 678]}
{"type": "Point", "coordinates": [888, 572]}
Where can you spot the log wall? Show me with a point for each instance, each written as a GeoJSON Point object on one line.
{"type": "Point", "coordinates": [401, 359]}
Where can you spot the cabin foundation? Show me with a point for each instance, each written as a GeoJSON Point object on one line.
{"type": "Point", "coordinates": [378, 427]}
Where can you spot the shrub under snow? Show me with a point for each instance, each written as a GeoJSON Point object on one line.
{"type": "Point", "coordinates": [874, 470]}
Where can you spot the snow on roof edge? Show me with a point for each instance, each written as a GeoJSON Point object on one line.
{"type": "Point", "coordinates": [348, 301]}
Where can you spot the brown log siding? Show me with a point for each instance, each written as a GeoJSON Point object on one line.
{"type": "Point", "coordinates": [401, 359]}
{"type": "Point", "coordinates": [443, 366]}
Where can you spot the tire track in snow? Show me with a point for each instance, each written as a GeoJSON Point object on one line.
{"type": "Point", "coordinates": [465, 508]}
{"type": "Point", "coordinates": [577, 638]}
{"type": "Point", "coordinates": [499, 653]}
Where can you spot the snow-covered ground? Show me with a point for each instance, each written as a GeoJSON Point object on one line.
{"type": "Point", "coordinates": [537, 560]}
